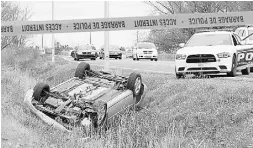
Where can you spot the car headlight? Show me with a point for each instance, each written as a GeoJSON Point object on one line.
{"type": "Point", "coordinates": [180, 56]}
{"type": "Point", "coordinates": [224, 55]}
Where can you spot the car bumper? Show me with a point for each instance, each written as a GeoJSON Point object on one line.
{"type": "Point", "coordinates": [220, 66]}
{"type": "Point", "coordinates": [146, 56]}
{"type": "Point", "coordinates": [115, 55]}
{"type": "Point", "coordinates": [86, 56]}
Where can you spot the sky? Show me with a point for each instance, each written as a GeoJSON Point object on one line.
{"type": "Point", "coordinates": [67, 10]}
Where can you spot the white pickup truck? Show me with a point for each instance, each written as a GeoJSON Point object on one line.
{"type": "Point", "coordinates": [213, 52]}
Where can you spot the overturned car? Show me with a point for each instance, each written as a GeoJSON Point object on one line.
{"type": "Point", "coordinates": [87, 100]}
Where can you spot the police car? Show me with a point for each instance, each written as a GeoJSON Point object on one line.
{"type": "Point", "coordinates": [211, 53]}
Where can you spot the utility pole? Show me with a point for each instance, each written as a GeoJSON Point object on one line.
{"type": "Point", "coordinates": [106, 38]}
{"type": "Point", "coordinates": [137, 36]}
{"type": "Point", "coordinates": [90, 37]}
{"type": "Point", "coordinates": [53, 50]}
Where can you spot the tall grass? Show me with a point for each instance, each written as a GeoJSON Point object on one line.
{"type": "Point", "coordinates": [179, 113]}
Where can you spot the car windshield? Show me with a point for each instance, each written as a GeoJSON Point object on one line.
{"type": "Point", "coordinates": [85, 47]}
{"type": "Point", "coordinates": [113, 48]}
{"type": "Point", "coordinates": [145, 46]}
{"type": "Point", "coordinates": [251, 32]}
{"type": "Point", "coordinates": [209, 40]}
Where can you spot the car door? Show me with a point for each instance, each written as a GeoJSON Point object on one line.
{"type": "Point", "coordinates": [120, 103]}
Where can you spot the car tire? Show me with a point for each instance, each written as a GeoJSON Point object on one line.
{"type": "Point", "coordinates": [151, 59]}
{"type": "Point", "coordinates": [251, 69]}
{"type": "Point", "coordinates": [134, 83]}
{"type": "Point", "coordinates": [246, 71]}
{"type": "Point", "coordinates": [156, 59]}
{"type": "Point", "coordinates": [178, 76]}
{"type": "Point", "coordinates": [80, 70]}
{"type": "Point", "coordinates": [232, 73]}
{"type": "Point", "coordinates": [38, 92]}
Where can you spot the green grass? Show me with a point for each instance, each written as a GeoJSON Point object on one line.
{"type": "Point", "coordinates": [178, 113]}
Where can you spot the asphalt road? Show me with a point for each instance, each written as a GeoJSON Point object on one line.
{"type": "Point", "coordinates": [141, 65]}
{"type": "Point", "coordinates": [165, 67]}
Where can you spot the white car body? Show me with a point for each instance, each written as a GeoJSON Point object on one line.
{"type": "Point", "coordinates": [145, 50]}
{"type": "Point", "coordinates": [208, 59]}
{"type": "Point", "coordinates": [243, 32]}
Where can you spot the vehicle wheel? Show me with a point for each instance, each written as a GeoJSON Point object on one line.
{"type": "Point", "coordinates": [246, 71]}
{"type": "Point", "coordinates": [251, 69]}
{"type": "Point", "coordinates": [120, 58]}
{"type": "Point", "coordinates": [100, 57]}
{"type": "Point", "coordinates": [156, 59]}
{"type": "Point", "coordinates": [133, 58]}
{"type": "Point", "coordinates": [151, 59]}
{"type": "Point", "coordinates": [234, 67]}
{"type": "Point", "coordinates": [178, 76]}
{"type": "Point", "coordinates": [39, 92]}
{"type": "Point", "coordinates": [134, 83]}
{"type": "Point", "coordinates": [80, 70]}
{"type": "Point", "coordinates": [93, 59]}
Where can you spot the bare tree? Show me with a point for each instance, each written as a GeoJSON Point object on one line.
{"type": "Point", "coordinates": [11, 11]}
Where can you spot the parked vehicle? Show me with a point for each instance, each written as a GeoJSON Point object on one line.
{"type": "Point", "coordinates": [244, 32]}
{"type": "Point", "coordinates": [212, 52]}
{"type": "Point", "coordinates": [145, 50]}
{"type": "Point", "coordinates": [84, 52]}
{"type": "Point", "coordinates": [88, 101]}
{"type": "Point", "coordinates": [114, 52]}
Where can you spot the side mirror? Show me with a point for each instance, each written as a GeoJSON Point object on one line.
{"type": "Point", "coordinates": [181, 45]}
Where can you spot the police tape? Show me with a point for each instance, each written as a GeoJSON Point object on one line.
{"type": "Point", "coordinates": [128, 23]}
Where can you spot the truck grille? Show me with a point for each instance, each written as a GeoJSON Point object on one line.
{"type": "Point", "coordinates": [200, 58]}
{"type": "Point", "coordinates": [147, 52]}
{"type": "Point", "coordinates": [86, 52]}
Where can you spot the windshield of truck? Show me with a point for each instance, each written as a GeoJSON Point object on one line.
{"type": "Point", "coordinates": [145, 46]}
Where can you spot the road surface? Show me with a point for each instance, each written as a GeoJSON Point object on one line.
{"type": "Point", "coordinates": [165, 67]}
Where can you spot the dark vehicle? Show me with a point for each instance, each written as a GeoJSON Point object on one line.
{"type": "Point", "coordinates": [84, 52]}
{"type": "Point", "coordinates": [86, 101]}
{"type": "Point", "coordinates": [114, 52]}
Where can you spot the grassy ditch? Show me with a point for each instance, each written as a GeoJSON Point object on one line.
{"type": "Point", "coordinates": [178, 113]}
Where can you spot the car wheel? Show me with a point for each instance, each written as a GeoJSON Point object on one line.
{"type": "Point", "coordinates": [179, 75]}
{"type": "Point", "coordinates": [39, 92]}
{"type": "Point", "coordinates": [151, 59]}
{"type": "Point", "coordinates": [246, 71]}
{"type": "Point", "coordinates": [251, 69]}
{"type": "Point", "coordinates": [134, 83]}
{"type": "Point", "coordinates": [80, 70]}
{"type": "Point", "coordinates": [156, 59]}
{"type": "Point", "coordinates": [234, 67]}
